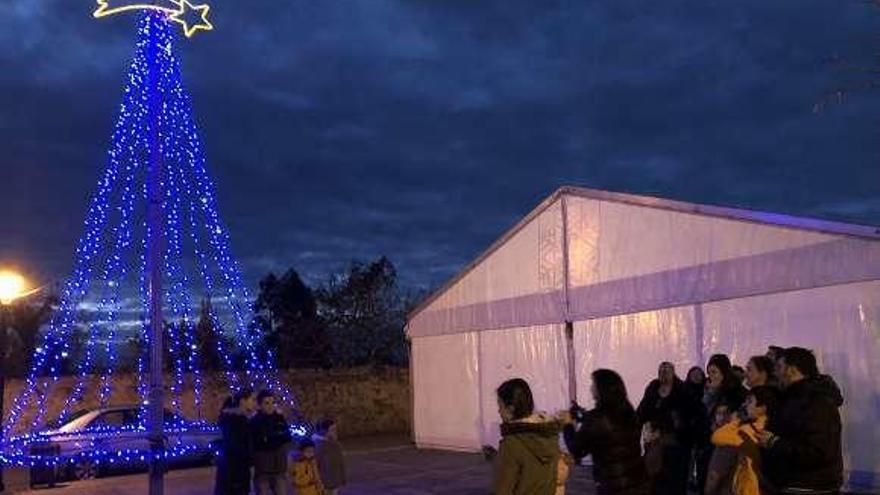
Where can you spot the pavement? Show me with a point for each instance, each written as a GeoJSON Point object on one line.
{"type": "Point", "coordinates": [376, 466]}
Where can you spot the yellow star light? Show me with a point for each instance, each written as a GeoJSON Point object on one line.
{"type": "Point", "coordinates": [191, 17]}
{"type": "Point", "coordinates": [190, 28]}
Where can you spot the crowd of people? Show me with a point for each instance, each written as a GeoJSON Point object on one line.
{"type": "Point", "coordinates": [772, 427]}
{"type": "Point", "coordinates": [257, 450]}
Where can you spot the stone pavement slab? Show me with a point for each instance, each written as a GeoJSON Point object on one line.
{"type": "Point", "coordinates": [375, 467]}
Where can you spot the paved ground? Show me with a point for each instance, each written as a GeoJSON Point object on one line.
{"type": "Point", "coordinates": [376, 467]}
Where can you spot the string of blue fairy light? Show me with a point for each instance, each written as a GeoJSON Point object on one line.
{"type": "Point", "coordinates": [174, 272]}
{"type": "Point", "coordinates": [176, 177]}
{"type": "Point", "coordinates": [133, 113]}
{"type": "Point", "coordinates": [230, 271]}
{"type": "Point", "coordinates": [119, 267]}
{"type": "Point", "coordinates": [236, 293]}
{"type": "Point", "coordinates": [52, 343]}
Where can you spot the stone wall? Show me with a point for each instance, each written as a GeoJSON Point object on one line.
{"type": "Point", "coordinates": [365, 401]}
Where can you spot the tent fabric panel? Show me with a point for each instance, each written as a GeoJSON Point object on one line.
{"type": "Point", "coordinates": [634, 345]}
{"type": "Point", "coordinates": [635, 240]}
{"type": "Point", "coordinates": [842, 325]}
{"type": "Point", "coordinates": [840, 261]}
{"type": "Point", "coordinates": [533, 309]}
{"type": "Point", "coordinates": [536, 354]}
{"type": "Point", "coordinates": [446, 406]}
{"type": "Point", "coordinates": [527, 268]}
{"type": "Point", "coordinates": [583, 221]}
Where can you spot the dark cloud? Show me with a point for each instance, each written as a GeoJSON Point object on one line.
{"type": "Point", "coordinates": [422, 129]}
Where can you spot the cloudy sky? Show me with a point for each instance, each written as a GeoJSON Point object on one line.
{"type": "Point", "coordinates": [422, 129]}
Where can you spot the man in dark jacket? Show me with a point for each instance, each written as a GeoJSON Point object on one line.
{"type": "Point", "coordinates": [271, 440]}
{"type": "Point", "coordinates": [802, 446]}
{"type": "Point", "coordinates": [234, 464]}
{"type": "Point", "coordinates": [673, 416]}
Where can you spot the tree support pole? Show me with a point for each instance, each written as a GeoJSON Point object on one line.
{"type": "Point", "coordinates": [155, 248]}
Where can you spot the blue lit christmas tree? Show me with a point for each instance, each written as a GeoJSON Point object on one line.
{"type": "Point", "coordinates": [152, 235]}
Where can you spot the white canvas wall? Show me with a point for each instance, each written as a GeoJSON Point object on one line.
{"type": "Point", "coordinates": [536, 354]}
{"type": "Point", "coordinates": [446, 406]}
{"type": "Point", "coordinates": [626, 258]}
{"type": "Point", "coordinates": [632, 241]}
{"type": "Point", "coordinates": [634, 345]}
{"type": "Point", "coordinates": [455, 378]}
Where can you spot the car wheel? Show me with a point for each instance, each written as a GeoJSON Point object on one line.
{"type": "Point", "coordinates": [85, 469]}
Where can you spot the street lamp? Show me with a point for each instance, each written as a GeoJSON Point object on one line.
{"type": "Point", "coordinates": [13, 286]}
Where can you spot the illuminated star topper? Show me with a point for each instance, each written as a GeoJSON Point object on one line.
{"type": "Point", "coordinates": [191, 17]}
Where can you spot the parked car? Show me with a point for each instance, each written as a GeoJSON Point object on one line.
{"type": "Point", "coordinates": [85, 433]}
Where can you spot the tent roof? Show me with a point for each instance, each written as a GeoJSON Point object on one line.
{"type": "Point", "coordinates": [738, 214]}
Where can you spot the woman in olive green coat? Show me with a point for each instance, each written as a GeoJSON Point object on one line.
{"type": "Point", "coordinates": [529, 455]}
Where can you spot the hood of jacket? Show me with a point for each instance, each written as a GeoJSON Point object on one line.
{"type": "Point", "coordinates": [825, 386]}
{"type": "Point", "coordinates": [539, 434]}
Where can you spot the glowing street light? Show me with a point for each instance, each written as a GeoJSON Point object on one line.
{"type": "Point", "coordinates": [13, 286]}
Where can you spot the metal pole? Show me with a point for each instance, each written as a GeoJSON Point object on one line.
{"type": "Point", "coordinates": [3, 355]}
{"type": "Point", "coordinates": [155, 222]}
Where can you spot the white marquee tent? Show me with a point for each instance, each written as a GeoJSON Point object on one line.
{"type": "Point", "coordinates": [593, 279]}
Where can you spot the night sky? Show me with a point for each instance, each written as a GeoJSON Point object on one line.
{"type": "Point", "coordinates": [422, 129]}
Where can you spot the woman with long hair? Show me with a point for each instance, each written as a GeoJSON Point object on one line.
{"type": "Point", "coordinates": [528, 457]}
{"type": "Point", "coordinates": [761, 371]}
{"type": "Point", "coordinates": [725, 395]}
{"type": "Point", "coordinates": [611, 434]}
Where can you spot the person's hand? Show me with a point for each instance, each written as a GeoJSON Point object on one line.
{"type": "Point", "coordinates": [765, 438]}
{"type": "Point", "coordinates": [565, 417]}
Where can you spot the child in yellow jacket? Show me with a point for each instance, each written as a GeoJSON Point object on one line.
{"type": "Point", "coordinates": [306, 479]}
{"type": "Point", "coordinates": [743, 434]}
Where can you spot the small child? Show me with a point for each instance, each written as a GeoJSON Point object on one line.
{"type": "Point", "coordinates": [743, 435]}
{"type": "Point", "coordinates": [306, 479]}
{"type": "Point", "coordinates": [328, 451]}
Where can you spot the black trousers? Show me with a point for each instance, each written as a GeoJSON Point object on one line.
{"type": "Point", "coordinates": [672, 478]}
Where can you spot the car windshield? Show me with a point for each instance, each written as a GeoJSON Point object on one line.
{"type": "Point", "coordinates": [171, 418]}
{"type": "Point", "coordinates": [68, 418]}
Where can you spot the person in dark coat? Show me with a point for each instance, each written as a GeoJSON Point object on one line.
{"type": "Point", "coordinates": [695, 383]}
{"type": "Point", "coordinates": [236, 445]}
{"type": "Point", "coordinates": [328, 452]}
{"type": "Point", "coordinates": [528, 456]}
{"type": "Point", "coordinates": [801, 446]}
{"type": "Point", "coordinates": [611, 434]}
{"type": "Point", "coordinates": [669, 412]}
{"type": "Point", "coordinates": [724, 396]}
{"type": "Point", "coordinates": [272, 444]}
{"type": "Point", "coordinates": [220, 472]}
